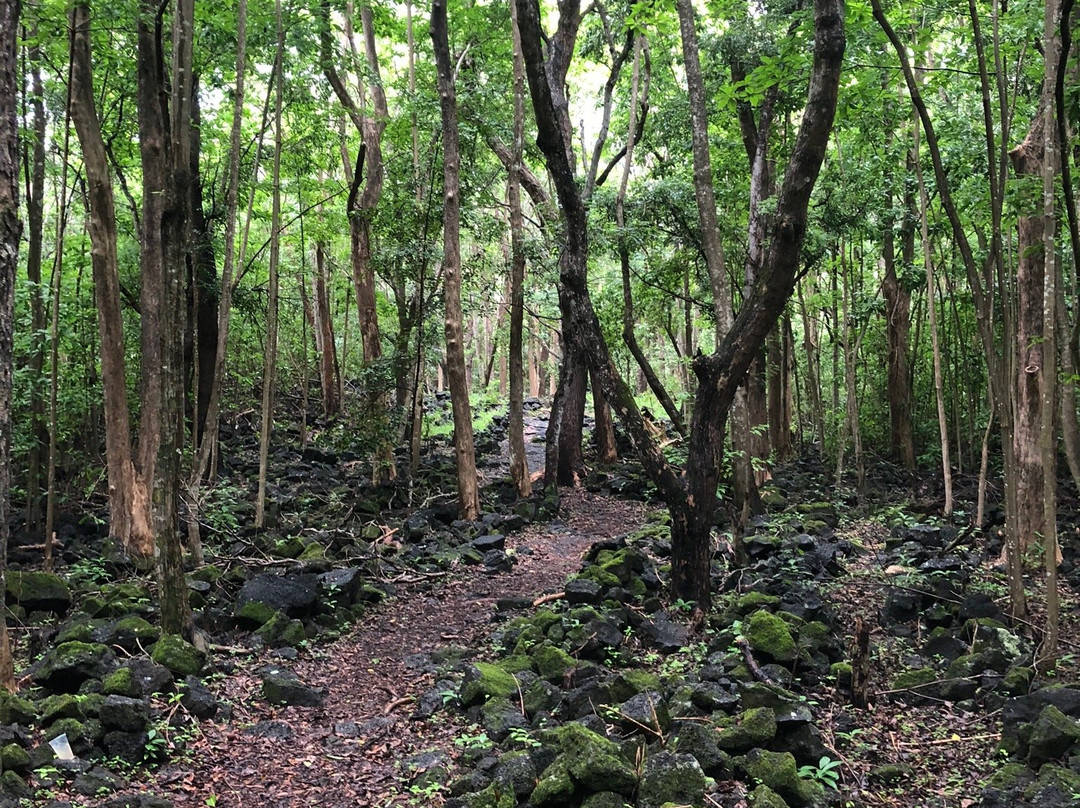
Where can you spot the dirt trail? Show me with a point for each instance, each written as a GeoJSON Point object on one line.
{"type": "Point", "coordinates": [349, 752]}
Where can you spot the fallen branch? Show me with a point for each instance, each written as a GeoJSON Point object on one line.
{"type": "Point", "coordinates": [751, 663]}
{"type": "Point", "coordinates": [389, 708]}
{"type": "Point", "coordinates": [540, 601]}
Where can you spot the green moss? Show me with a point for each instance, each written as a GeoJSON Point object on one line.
{"type": "Point", "coordinates": [39, 590]}
{"type": "Point", "coordinates": [768, 634]}
{"type": "Point", "coordinates": [14, 758]}
{"type": "Point", "coordinates": [255, 612]}
{"type": "Point", "coordinates": [491, 681]}
{"type": "Point", "coordinates": [552, 663]}
{"type": "Point", "coordinates": [918, 679]}
{"type": "Point", "coordinates": [120, 682]}
{"type": "Point", "coordinates": [1017, 680]}
{"type": "Point", "coordinates": [599, 576]}
{"type": "Point", "coordinates": [753, 601]}
{"type": "Point", "coordinates": [494, 796]}
{"type": "Point", "coordinates": [755, 727]}
{"type": "Point", "coordinates": [280, 631]}
{"type": "Point", "coordinates": [1009, 777]}
{"type": "Point", "coordinates": [178, 655]}
{"type": "Point", "coordinates": [545, 619]}
{"type": "Point", "coordinates": [62, 705]}
{"type": "Point", "coordinates": [778, 771]}
{"type": "Point", "coordinates": [592, 761]}
{"type": "Point", "coordinates": [555, 788]}
{"type": "Point", "coordinates": [209, 574]}
{"type": "Point", "coordinates": [765, 797]}
{"type": "Point", "coordinates": [14, 709]}
{"type": "Point", "coordinates": [516, 663]}
{"type": "Point", "coordinates": [72, 727]}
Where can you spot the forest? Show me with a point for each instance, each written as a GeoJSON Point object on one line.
{"type": "Point", "coordinates": [524, 403]}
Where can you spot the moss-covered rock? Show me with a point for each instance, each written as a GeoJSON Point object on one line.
{"type": "Point", "coordinates": [755, 727]}
{"type": "Point", "coordinates": [130, 632]}
{"type": "Point", "coordinates": [496, 795]}
{"type": "Point", "coordinates": [121, 682]}
{"type": "Point", "coordinates": [38, 591]}
{"type": "Point", "coordinates": [593, 762]}
{"type": "Point", "coordinates": [918, 682]}
{"type": "Point", "coordinates": [754, 601]}
{"type": "Point", "coordinates": [280, 631]}
{"type": "Point", "coordinates": [604, 799]}
{"type": "Point", "coordinates": [178, 655]}
{"type": "Point", "coordinates": [1052, 735]}
{"type": "Point", "coordinates": [121, 599]}
{"type": "Point", "coordinates": [552, 663]}
{"type": "Point", "coordinates": [1017, 680]}
{"type": "Point", "coordinates": [484, 680]}
{"type": "Point", "coordinates": [62, 705]}
{"type": "Point", "coordinates": [769, 635]}
{"type": "Point", "coordinates": [1054, 786]}
{"type": "Point", "coordinates": [778, 771]}
{"type": "Point", "coordinates": [671, 779]}
{"type": "Point", "coordinates": [14, 709]}
{"type": "Point", "coordinates": [14, 758]}
{"type": "Point", "coordinates": [555, 788]}
{"type": "Point", "coordinates": [765, 797]}
{"type": "Point", "coordinates": [255, 613]}
{"type": "Point", "coordinates": [65, 667]}
{"type": "Point", "coordinates": [13, 785]}
{"type": "Point", "coordinates": [516, 663]}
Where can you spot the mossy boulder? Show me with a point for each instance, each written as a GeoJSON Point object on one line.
{"type": "Point", "coordinates": [121, 682]}
{"type": "Point", "coordinates": [280, 631]}
{"type": "Point", "coordinates": [778, 771]}
{"type": "Point", "coordinates": [178, 655]}
{"type": "Point", "coordinates": [604, 799]}
{"type": "Point", "coordinates": [516, 663]}
{"type": "Point", "coordinates": [623, 564]}
{"type": "Point", "coordinates": [1017, 680]}
{"type": "Point", "coordinates": [61, 705]}
{"type": "Point", "coordinates": [918, 682]}
{"type": "Point", "coordinates": [14, 709]}
{"type": "Point", "coordinates": [38, 591]}
{"type": "Point", "coordinates": [66, 667]}
{"type": "Point", "coordinates": [1052, 735]}
{"type": "Point", "coordinates": [131, 633]}
{"type": "Point", "coordinates": [1055, 786]}
{"type": "Point", "coordinates": [12, 785]}
{"type": "Point", "coordinates": [670, 778]}
{"type": "Point", "coordinates": [591, 762]}
{"type": "Point", "coordinates": [769, 635]}
{"type": "Point", "coordinates": [14, 758]}
{"type": "Point", "coordinates": [755, 727]}
{"type": "Point", "coordinates": [765, 797]}
{"type": "Point", "coordinates": [754, 601]}
{"type": "Point", "coordinates": [555, 788]}
{"type": "Point", "coordinates": [552, 663]}
{"type": "Point", "coordinates": [495, 795]}
{"type": "Point", "coordinates": [255, 613]}
{"type": "Point", "coordinates": [483, 680]}
{"type": "Point", "coordinates": [120, 599]}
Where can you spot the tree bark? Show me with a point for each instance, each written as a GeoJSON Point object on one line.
{"type": "Point", "coordinates": [323, 326]}
{"type": "Point", "coordinates": [10, 232]}
{"type": "Point", "coordinates": [128, 522]}
{"type": "Point", "coordinates": [468, 491]}
{"type": "Point", "coordinates": [519, 467]}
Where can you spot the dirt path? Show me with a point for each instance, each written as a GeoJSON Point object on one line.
{"type": "Point", "coordinates": [349, 752]}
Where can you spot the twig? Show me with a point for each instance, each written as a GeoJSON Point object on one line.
{"type": "Point", "coordinates": [389, 708]}
{"type": "Point", "coordinates": [540, 601]}
{"type": "Point", "coordinates": [751, 663]}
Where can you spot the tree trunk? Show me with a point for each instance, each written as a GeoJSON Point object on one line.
{"type": "Point", "coordinates": [604, 430]}
{"type": "Point", "coordinates": [931, 310]}
{"type": "Point", "coordinates": [35, 214]}
{"type": "Point", "coordinates": [128, 521]}
{"type": "Point", "coordinates": [468, 491]}
{"type": "Point", "coordinates": [898, 331]}
{"type": "Point", "coordinates": [165, 145]}
{"type": "Point", "coordinates": [323, 326]}
{"type": "Point", "coordinates": [519, 467]}
{"type": "Point", "coordinates": [270, 358]}
{"type": "Point", "coordinates": [10, 231]}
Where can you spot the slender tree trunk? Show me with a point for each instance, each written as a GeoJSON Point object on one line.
{"type": "Point", "coordinates": [519, 467]}
{"type": "Point", "coordinates": [931, 310]}
{"type": "Point", "coordinates": [604, 431]}
{"type": "Point", "coordinates": [468, 491]}
{"type": "Point", "coordinates": [128, 523]}
{"type": "Point", "coordinates": [10, 231]}
{"type": "Point", "coordinates": [270, 364]}
{"type": "Point", "coordinates": [35, 214]}
{"type": "Point", "coordinates": [323, 326]}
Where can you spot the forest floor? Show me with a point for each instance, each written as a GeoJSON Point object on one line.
{"type": "Point", "coordinates": [355, 750]}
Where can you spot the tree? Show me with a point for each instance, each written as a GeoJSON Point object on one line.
{"type": "Point", "coordinates": [691, 503]}
{"type": "Point", "coordinates": [10, 231]}
{"type": "Point", "coordinates": [468, 489]}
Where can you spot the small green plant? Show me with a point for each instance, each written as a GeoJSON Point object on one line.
{"type": "Point", "coordinates": [684, 606]}
{"type": "Point", "coordinates": [211, 801]}
{"type": "Point", "coordinates": [826, 772]}
{"type": "Point", "coordinates": [522, 736]}
{"type": "Point", "coordinates": [156, 746]}
{"type": "Point", "coordinates": [473, 738]}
